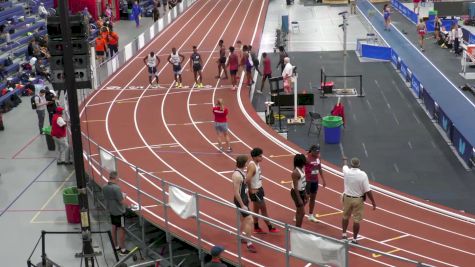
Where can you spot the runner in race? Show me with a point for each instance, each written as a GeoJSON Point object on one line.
{"type": "Point", "coordinates": [196, 64]}
{"type": "Point", "coordinates": [175, 60]}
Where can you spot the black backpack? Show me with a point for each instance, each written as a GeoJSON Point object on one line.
{"type": "Point", "coordinates": [255, 61]}
{"type": "Point", "coordinates": [33, 101]}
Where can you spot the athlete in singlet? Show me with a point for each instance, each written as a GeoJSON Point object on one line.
{"type": "Point", "coordinates": [233, 64]}
{"type": "Point", "coordinates": [196, 63]}
{"type": "Point", "coordinates": [313, 171]}
{"type": "Point", "coordinates": [298, 192]}
{"type": "Point", "coordinates": [241, 199]}
{"type": "Point", "coordinates": [152, 61]}
{"type": "Point", "coordinates": [387, 17]}
{"type": "Point", "coordinates": [175, 60]}
{"type": "Point", "coordinates": [256, 191]}
{"type": "Point", "coordinates": [421, 30]}
{"type": "Point", "coordinates": [222, 60]}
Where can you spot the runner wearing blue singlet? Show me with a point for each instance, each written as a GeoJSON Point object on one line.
{"type": "Point", "coordinates": [196, 64]}
{"type": "Point", "coordinates": [387, 17]}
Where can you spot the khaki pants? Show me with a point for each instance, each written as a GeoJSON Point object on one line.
{"type": "Point", "coordinates": [353, 206]}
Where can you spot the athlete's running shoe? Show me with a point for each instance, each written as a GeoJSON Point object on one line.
{"type": "Point", "coordinates": [179, 85]}
{"type": "Point", "coordinates": [251, 248]}
{"type": "Point", "coordinates": [312, 218]}
{"type": "Point", "coordinates": [123, 252]}
{"type": "Point", "coordinates": [201, 85]}
{"type": "Point", "coordinates": [258, 231]}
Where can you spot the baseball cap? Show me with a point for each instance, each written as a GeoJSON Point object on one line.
{"type": "Point", "coordinates": [314, 148]}
{"type": "Point", "coordinates": [216, 251]}
{"type": "Point", "coordinates": [59, 109]}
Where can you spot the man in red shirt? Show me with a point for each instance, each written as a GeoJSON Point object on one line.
{"type": "Point", "coordinates": [58, 131]}
{"type": "Point", "coordinates": [267, 71]}
{"type": "Point", "coordinates": [313, 169]}
{"type": "Point", "coordinates": [221, 124]}
{"type": "Point", "coordinates": [233, 64]}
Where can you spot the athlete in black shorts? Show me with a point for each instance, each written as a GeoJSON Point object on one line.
{"type": "Point", "coordinates": [241, 200]}
{"type": "Point", "coordinates": [196, 64]}
{"type": "Point", "coordinates": [222, 60]}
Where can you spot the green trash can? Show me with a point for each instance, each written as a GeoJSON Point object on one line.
{"type": "Point", "coordinates": [71, 204]}
{"type": "Point", "coordinates": [49, 139]}
{"type": "Point", "coordinates": [332, 129]}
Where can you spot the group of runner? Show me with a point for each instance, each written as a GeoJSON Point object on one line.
{"type": "Point", "coordinates": [248, 187]}
{"type": "Point", "coordinates": [239, 56]}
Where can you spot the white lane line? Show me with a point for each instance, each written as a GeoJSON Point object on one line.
{"type": "Point", "coordinates": [198, 104]}
{"type": "Point", "coordinates": [415, 117]}
{"type": "Point", "coordinates": [433, 144]}
{"type": "Point", "coordinates": [225, 172]}
{"type": "Point", "coordinates": [369, 104]}
{"type": "Point", "coordinates": [354, 117]}
{"type": "Point", "coordinates": [396, 167]}
{"type": "Point", "coordinates": [409, 144]}
{"type": "Point", "coordinates": [364, 149]}
{"type": "Point", "coordinates": [395, 118]}
{"type": "Point", "coordinates": [395, 238]}
{"type": "Point", "coordinates": [385, 99]}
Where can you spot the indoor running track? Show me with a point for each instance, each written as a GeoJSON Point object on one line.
{"type": "Point", "coordinates": [169, 132]}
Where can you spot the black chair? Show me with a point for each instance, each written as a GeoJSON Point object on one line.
{"type": "Point", "coordinates": [315, 120]}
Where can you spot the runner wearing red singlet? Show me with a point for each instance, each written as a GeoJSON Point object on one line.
{"type": "Point", "coordinates": [233, 64]}
{"type": "Point", "coordinates": [421, 31]}
{"type": "Point", "coordinates": [267, 71]}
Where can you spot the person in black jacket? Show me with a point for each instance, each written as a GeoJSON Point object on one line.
{"type": "Point", "coordinates": [51, 107]}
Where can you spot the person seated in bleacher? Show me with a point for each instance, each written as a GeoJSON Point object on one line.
{"type": "Point", "coordinates": [42, 12]}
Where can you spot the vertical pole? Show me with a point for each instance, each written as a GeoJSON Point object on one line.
{"type": "Point", "coordinates": [139, 201]}
{"type": "Point", "coordinates": [165, 215]}
{"type": "Point", "coordinates": [238, 231]}
{"type": "Point", "coordinates": [87, 249]}
{"type": "Point", "coordinates": [198, 227]}
{"type": "Point", "coordinates": [347, 252]}
{"type": "Point", "coordinates": [361, 85]}
{"type": "Point", "coordinates": [295, 97]}
{"type": "Point", "coordinates": [43, 248]}
{"type": "Point", "coordinates": [287, 245]}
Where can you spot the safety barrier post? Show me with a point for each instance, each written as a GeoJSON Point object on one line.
{"type": "Point", "coordinates": [198, 227]}
{"type": "Point", "coordinates": [347, 252]}
{"type": "Point", "coordinates": [139, 202]}
{"type": "Point", "coordinates": [165, 216]}
{"type": "Point", "coordinates": [238, 231]}
{"type": "Point", "coordinates": [361, 86]}
{"type": "Point", "coordinates": [287, 245]}
{"type": "Point", "coordinates": [100, 162]}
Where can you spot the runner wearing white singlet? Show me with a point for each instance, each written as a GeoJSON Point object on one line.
{"type": "Point", "coordinates": [152, 61]}
{"type": "Point", "coordinates": [256, 191]}
{"type": "Point", "coordinates": [298, 192]}
{"type": "Point", "coordinates": [175, 60]}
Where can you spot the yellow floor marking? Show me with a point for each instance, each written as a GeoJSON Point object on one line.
{"type": "Point", "coordinates": [280, 156]}
{"type": "Point", "coordinates": [376, 255]}
{"type": "Point", "coordinates": [329, 214]}
{"type": "Point", "coordinates": [93, 121]}
{"type": "Point", "coordinates": [395, 238]}
{"type": "Point", "coordinates": [51, 197]}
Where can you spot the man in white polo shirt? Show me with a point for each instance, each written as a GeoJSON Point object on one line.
{"type": "Point", "coordinates": [356, 189]}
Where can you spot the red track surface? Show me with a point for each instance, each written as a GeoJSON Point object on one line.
{"type": "Point", "coordinates": [168, 132]}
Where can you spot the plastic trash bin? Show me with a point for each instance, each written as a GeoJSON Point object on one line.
{"type": "Point", "coordinates": [71, 204]}
{"type": "Point", "coordinates": [332, 129]}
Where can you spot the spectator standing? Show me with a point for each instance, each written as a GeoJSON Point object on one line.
{"type": "Point", "coordinates": [155, 13]}
{"type": "Point", "coordinates": [113, 42]}
{"type": "Point", "coordinates": [221, 124]}
{"type": "Point", "coordinates": [297, 192]}
{"type": "Point", "coordinates": [108, 13]}
{"type": "Point", "coordinates": [114, 200]}
{"type": "Point", "coordinates": [241, 199]}
{"type": "Point", "coordinates": [457, 35]}
{"type": "Point", "coordinates": [267, 71]}
{"type": "Point", "coordinates": [41, 104]}
{"type": "Point", "coordinates": [437, 26]}
{"type": "Point", "coordinates": [216, 257]}
{"type": "Point", "coordinates": [356, 188]}
{"type": "Point", "coordinates": [58, 131]}
{"type": "Point", "coordinates": [101, 48]}
{"type": "Point", "coordinates": [282, 54]}
{"type": "Point", "coordinates": [50, 97]}
{"type": "Point", "coordinates": [136, 13]}
{"type": "Point", "coordinates": [287, 74]}
{"type": "Point", "coordinates": [313, 171]}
